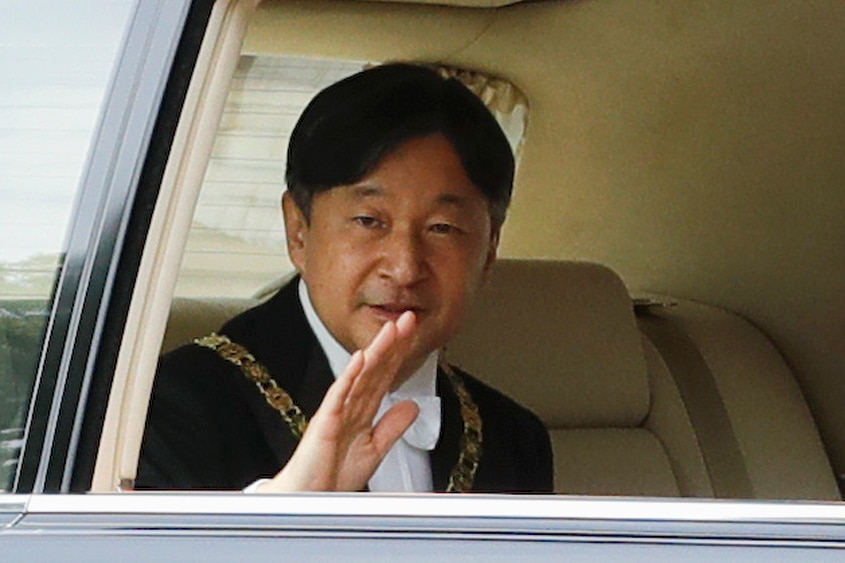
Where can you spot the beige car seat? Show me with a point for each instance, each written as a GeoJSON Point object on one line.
{"type": "Point", "coordinates": [753, 426]}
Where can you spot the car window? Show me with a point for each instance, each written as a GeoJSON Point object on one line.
{"type": "Point", "coordinates": [55, 60]}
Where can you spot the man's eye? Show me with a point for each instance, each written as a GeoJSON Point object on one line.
{"type": "Point", "coordinates": [443, 229]}
{"type": "Point", "coordinates": [367, 221]}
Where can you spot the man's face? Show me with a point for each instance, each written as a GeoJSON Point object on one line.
{"type": "Point", "coordinates": [414, 234]}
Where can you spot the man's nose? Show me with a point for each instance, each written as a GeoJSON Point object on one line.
{"type": "Point", "coordinates": [404, 259]}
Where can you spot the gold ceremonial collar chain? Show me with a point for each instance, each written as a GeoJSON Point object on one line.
{"type": "Point", "coordinates": [463, 474]}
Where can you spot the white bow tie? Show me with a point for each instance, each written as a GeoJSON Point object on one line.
{"type": "Point", "coordinates": [425, 430]}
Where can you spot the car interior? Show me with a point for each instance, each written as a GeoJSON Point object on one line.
{"type": "Point", "coordinates": [668, 297]}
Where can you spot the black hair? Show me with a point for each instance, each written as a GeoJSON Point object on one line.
{"type": "Point", "coordinates": [351, 126]}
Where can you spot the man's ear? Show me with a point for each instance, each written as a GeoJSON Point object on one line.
{"type": "Point", "coordinates": [296, 230]}
{"type": "Point", "coordinates": [492, 249]}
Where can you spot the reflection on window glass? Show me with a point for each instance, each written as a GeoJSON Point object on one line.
{"type": "Point", "coordinates": [55, 62]}
{"type": "Point", "coordinates": [236, 244]}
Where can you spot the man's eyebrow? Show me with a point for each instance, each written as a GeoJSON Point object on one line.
{"type": "Point", "coordinates": [452, 200]}
{"type": "Point", "coordinates": [367, 190]}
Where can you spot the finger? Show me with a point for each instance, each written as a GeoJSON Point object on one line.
{"type": "Point", "coordinates": [371, 382]}
{"type": "Point", "coordinates": [354, 368]}
{"type": "Point", "coordinates": [389, 348]}
{"type": "Point", "coordinates": [405, 324]}
{"type": "Point", "coordinates": [393, 425]}
{"type": "Point", "coordinates": [406, 329]}
{"type": "Point", "coordinates": [338, 392]}
{"type": "Point", "coordinates": [382, 342]}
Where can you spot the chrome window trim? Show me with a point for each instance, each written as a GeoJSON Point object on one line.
{"type": "Point", "coordinates": [13, 503]}
{"type": "Point", "coordinates": [12, 508]}
{"type": "Point", "coordinates": [447, 506]}
{"type": "Point", "coordinates": [816, 528]}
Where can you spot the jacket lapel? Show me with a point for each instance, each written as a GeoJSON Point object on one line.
{"type": "Point", "coordinates": [318, 378]}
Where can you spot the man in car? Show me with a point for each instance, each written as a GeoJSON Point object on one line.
{"type": "Point", "coordinates": [398, 184]}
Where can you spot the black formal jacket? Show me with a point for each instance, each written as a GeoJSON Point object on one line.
{"type": "Point", "coordinates": [209, 427]}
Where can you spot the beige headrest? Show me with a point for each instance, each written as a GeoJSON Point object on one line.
{"type": "Point", "coordinates": [560, 338]}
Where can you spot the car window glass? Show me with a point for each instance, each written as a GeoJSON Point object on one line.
{"type": "Point", "coordinates": [236, 243]}
{"type": "Point", "coordinates": [55, 63]}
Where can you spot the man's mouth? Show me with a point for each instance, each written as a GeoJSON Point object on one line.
{"type": "Point", "coordinates": [392, 311]}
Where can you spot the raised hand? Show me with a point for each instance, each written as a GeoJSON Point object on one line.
{"type": "Point", "coordinates": [340, 450]}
